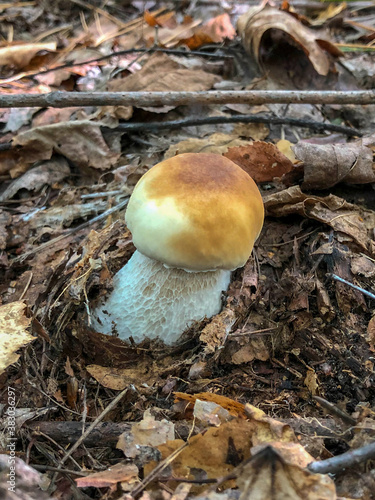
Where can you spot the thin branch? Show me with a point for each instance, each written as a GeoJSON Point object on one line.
{"type": "Point", "coordinates": [343, 461]}
{"type": "Point", "coordinates": [61, 99]}
{"type": "Point", "coordinates": [362, 290]}
{"type": "Point", "coordinates": [335, 410]}
{"type": "Point", "coordinates": [212, 120]}
{"type": "Point", "coordinates": [62, 471]}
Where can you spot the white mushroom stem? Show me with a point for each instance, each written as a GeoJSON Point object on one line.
{"type": "Point", "coordinates": [151, 300]}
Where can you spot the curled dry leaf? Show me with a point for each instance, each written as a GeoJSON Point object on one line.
{"type": "Point", "coordinates": [257, 21]}
{"type": "Point", "coordinates": [325, 165]}
{"type": "Point", "coordinates": [21, 55]}
{"type": "Point", "coordinates": [269, 475]}
{"type": "Point", "coordinates": [14, 334]}
{"type": "Point", "coordinates": [263, 161]}
{"type": "Point", "coordinates": [267, 427]}
{"type": "Point", "coordinates": [342, 216]}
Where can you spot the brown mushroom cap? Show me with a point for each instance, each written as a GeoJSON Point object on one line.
{"type": "Point", "coordinates": [196, 211]}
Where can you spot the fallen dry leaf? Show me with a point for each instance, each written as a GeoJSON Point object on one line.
{"type": "Point", "coordinates": [254, 24]}
{"type": "Point", "coordinates": [342, 216]}
{"type": "Point", "coordinates": [47, 173]}
{"type": "Point", "coordinates": [27, 479]}
{"type": "Point", "coordinates": [14, 325]}
{"type": "Point", "coordinates": [119, 378]}
{"type": "Point", "coordinates": [216, 452]}
{"type": "Point", "coordinates": [215, 333]}
{"type": "Point", "coordinates": [63, 216]}
{"type": "Point", "coordinates": [119, 473]}
{"type": "Point", "coordinates": [210, 413]}
{"type": "Point", "coordinates": [80, 141]}
{"type": "Point", "coordinates": [55, 115]}
{"type": "Point", "coordinates": [163, 74]}
{"type": "Point", "coordinates": [167, 20]}
{"type": "Point", "coordinates": [17, 118]}
{"type": "Point", "coordinates": [268, 427]}
{"type": "Point", "coordinates": [215, 30]}
{"type": "Point", "coordinates": [324, 303]}
{"type": "Point", "coordinates": [218, 143]}
{"type": "Point", "coordinates": [5, 219]}
{"type": "Point", "coordinates": [147, 432]}
{"type": "Point", "coordinates": [233, 407]}
{"type": "Point", "coordinates": [362, 265]}
{"type": "Point", "coordinates": [245, 349]}
{"type": "Point", "coordinates": [219, 449]}
{"type": "Point", "coordinates": [291, 453]}
{"type": "Point", "coordinates": [352, 163]}
{"type": "Point", "coordinates": [268, 475]}
{"type": "Point", "coordinates": [286, 149]}
{"type": "Point", "coordinates": [311, 382]}
{"type": "Point", "coordinates": [254, 131]}
{"type": "Point", "coordinates": [21, 55]}
{"type": "Point", "coordinates": [263, 161]}
{"type": "Point", "coordinates": [329, 13]}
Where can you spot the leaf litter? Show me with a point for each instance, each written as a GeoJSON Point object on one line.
{"type": "Point", "coordinates": [233, 406]}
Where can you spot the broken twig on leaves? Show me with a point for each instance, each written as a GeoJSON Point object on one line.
{"type": "Point", "coordinates": [362, 290]}
{"type": "Point", "coordinates": [343, 461]}
{"type": "Point", "coordinates": [61, 99]}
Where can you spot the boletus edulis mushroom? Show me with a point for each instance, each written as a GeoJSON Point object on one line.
{"type": "Point", "coordinates": [194, 218]}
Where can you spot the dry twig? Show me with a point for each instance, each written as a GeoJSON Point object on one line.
{"type": "Point", "coordinates": [343, 461]}
{"type": "Point", "coordinates": [61, 99]}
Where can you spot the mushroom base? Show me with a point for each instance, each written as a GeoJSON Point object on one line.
{"type": "Point", "coordinates": [150, 300]}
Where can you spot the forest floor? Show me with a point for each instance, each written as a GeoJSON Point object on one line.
{"type": "Point", "coordinates": [284, 376]}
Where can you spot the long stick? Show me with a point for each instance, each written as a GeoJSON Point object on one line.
{"type": "Point", "coordinates": [66, 99]}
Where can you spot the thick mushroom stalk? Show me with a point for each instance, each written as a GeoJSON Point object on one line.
{"type": "Point", "coordinates": [194, 218]}
{"type": "Point", "coordinates": [149, 299]}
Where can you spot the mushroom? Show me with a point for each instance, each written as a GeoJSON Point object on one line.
{"type": "Point", "coordinates": [194, 219]}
